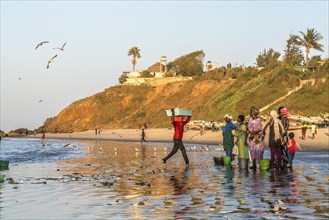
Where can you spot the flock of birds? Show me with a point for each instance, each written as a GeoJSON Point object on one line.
{"type": "Point", "coordinates": [53, 58]}
{"type": "Point", "coordinates": [188, 148]}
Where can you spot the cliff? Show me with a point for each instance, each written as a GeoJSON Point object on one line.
{"type": "Point", "coordinates": [210, 96]}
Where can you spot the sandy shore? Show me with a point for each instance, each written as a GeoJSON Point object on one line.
{"type": "Point", "coordinates": [320, 143]}
{"type": "Point", "coordinates": [124, 180]}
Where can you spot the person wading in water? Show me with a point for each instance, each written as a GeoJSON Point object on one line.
{"type": "Point", "coordinates": [178, 123]}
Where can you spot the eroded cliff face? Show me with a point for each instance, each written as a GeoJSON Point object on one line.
{"type": "Point", "coordinates": [210, 99]}
{"type": "Point", "coordinates": [132, 106]}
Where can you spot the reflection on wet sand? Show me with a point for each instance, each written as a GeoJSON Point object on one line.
{"type": "Point", "coordinates": [127, 180]}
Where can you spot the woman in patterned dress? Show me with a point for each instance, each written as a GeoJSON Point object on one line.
{"type": "Point", "coordinates": [256, 144]}
{"type": "Point", "coordinates": [241, 134]}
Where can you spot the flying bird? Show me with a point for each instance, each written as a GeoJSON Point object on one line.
{"type": "Point", "coordinates": [60, 48]}
{"type": "Point", "coordinates": [51, 60]}
{"type": "Point", "coordinates": [40, 100]}
{"type": "Point", "coordinates": [40, 44]}
{"type": "Point", "coordinates": [19, 78]}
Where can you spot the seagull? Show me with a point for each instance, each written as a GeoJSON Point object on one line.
{"type": "Point", "coordinates": [40, 44]}
{"type": "Point", "coordinates": [40, 100]}
{"type": "Point", "coordinates": [100, 148]}
{"type": "Point", "coordinates": [116, 134]}
{"type": "Point", "coordinates": [51, 60]}
{"type": "Point", "coordinates": [60, 48]}
{"type": "Point", "coordinates": [19, 78]}
{"type": "Point", "coordinates": [70, 146]}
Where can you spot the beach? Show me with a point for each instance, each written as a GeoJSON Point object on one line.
{"type": "Point", "coordinates": [320, 143]}
{"type": "Point", "coordinates": [118, 178]}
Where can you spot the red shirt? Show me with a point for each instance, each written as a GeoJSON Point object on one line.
{"type": "Point", "coordinates": [179, 126]}
{"type": "Point", "coordinates": [292, 148]}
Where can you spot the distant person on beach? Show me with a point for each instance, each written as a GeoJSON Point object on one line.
{"type": "Point", "coordinates": [228, 138]}
{"type": "Point", "coordinates": [242, 135]}
{"type": "Point", "coordinates": [43, 137]}
{"type": "Point", "coordinates": [201, 130]}
{"type": "Point", "coordinates": [213, 126]}
{"type": "Point", "coordinates": [35, 132]}
{"type": "Point", "coordinates": [143, 135]}
{"type": "Point", "coordinates": [304, 129]}
{"type": "Point", "coordinates": [145, 126]}
{"type": "Point", "coordinates": [275, 139]}
{"type": "Point", "coordinates": [292, 144]}
{"type": "Point", "coordinates": [95, 131]}
{"type": "Point", "coordinates": [256, 145]}
{"type": "Point", "coordinates": [178, 123]}
{"type": "Point", "coordinates": [313, 130]}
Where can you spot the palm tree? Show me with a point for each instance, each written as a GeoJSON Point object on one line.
{"type": "Point", "coordinates": [134, 51]}
{"type": "Point", "coordinates": [310, 40]}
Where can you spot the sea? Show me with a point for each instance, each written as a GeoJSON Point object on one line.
{"type": "Point", "coordinates": [68, 179]}
{"type": "Point", "coordinates": [30, 150]}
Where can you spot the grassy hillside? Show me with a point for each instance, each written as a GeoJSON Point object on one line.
{"type": "Point", "coordinates": [210, 96]}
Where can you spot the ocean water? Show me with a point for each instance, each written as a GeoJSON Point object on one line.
{"type": "Point", "coordinates": [29, 150]}
{"type": "Point", "coordinates": [110, 180]}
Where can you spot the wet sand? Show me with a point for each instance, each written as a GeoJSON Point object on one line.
{"type": "Point", "coordinates": [124, 180]}
{"type": "Point", "coordinates": [320, 143]}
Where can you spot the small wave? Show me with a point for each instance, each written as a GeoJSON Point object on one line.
{"type": "Point", "coordinates": [20, 151]}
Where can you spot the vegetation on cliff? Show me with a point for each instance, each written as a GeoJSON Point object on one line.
{"type": "Point", "coordinates": [210, 96]}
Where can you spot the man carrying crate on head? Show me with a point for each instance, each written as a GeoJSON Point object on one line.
{"type": "Point", "coordinates": [178, 123]}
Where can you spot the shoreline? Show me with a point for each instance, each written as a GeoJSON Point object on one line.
{"type": "Point", "coordinates": [162, 135]}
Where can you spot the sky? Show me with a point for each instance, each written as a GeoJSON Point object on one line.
{"type": "Point", "coordinates": [100, 33]}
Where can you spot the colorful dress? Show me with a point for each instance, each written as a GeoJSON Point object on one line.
{"type": "Point", "coordinates": [228, 138]}
{"type": "Point", "coordinates": [256, 144]}
{"type": "Point", "coordinates": [242, 148]}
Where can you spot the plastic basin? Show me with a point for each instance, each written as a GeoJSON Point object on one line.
{"type": "Point", "coordinates": [264, 164]}
{"type": "Point", "coordinates": [227, 160]}
{"type": "Point", "coordinates": [4, 164]}
{"type": "Point", "coordinates": [219, 160]}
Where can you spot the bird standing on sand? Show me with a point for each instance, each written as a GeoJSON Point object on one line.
{"type": "Point", "coordinates": [60, 48]}
{"type": "Point", "coordinates": [51, 60]}
{"type": "Point", "coordinates": [40, 44]}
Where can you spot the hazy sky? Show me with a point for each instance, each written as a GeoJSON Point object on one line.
{"type": "Point", "coordinates": [100, 33]}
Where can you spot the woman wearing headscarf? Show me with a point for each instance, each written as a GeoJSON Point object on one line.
{"type": "Point", "coordinates": [228, 138]}
{"type": "Point", "coordinates": [275, 138]}
{"type": "Point", "coordinates": [241, 134]}
{"type": "Point", "coordinates": [256, 145]}
{"type": "Point", "coordinates": [284, 117]}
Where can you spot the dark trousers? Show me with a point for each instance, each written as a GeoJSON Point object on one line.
{"type": "Point", "coordinates": [229, 153]}
{"type": "Point", "coordinates": [291, 157]}
{"type": "Point", "coordinates": [276, 151]}
{"type": "Point", "coordinates": [178, 144]}
{"type": "Point", "coordinates": [143, 140]}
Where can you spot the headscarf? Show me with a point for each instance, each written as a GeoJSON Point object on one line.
{"type": "Point", "coordinates": [254, 110]}
{"type": "Point", "coordinates": [285, 112]}
{"type": "Point", "coordinates": [277, 124]}
{"type": "Point", "coordinates": [229, 116]}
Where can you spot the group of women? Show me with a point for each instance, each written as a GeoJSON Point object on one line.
{"type": "Point", "coordinates": [250, 137]}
